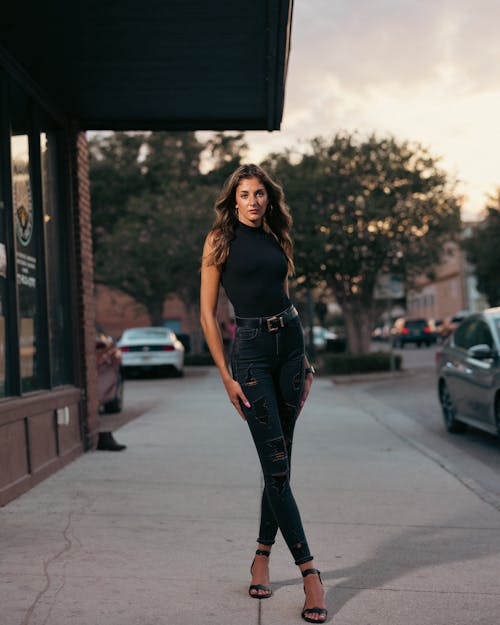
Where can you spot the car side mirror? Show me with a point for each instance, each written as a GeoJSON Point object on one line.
{"type": "Point", "coordinates": [481, 352]}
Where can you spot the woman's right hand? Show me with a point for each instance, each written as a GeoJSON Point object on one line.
{"type": "Point", "coordinates": [235, 393]}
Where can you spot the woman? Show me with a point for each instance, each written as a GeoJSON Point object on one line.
{"type": "Point", "coordinates": [249, 252]}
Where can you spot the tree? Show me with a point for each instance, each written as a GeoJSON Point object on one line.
{"type": "Point", "coordinates": [151, 208]}
{"type": "Point", "coordinates": [149, 198]}
{"type": "Point", "coordinates": [154, 250]}
{"type": "Point", "coordinates": [483, 251]}
{"type": "Point", "coordinates": [116, 175]}
{"type": "Point", "coordinates": [126, 165]}
{"type": "Point", "coordinates": [363, 208]}
{"type": "Point", "coordinates": [224, 153]}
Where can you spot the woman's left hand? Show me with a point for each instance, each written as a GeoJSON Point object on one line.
{"type": "Point", "coordinates": [307, 387]}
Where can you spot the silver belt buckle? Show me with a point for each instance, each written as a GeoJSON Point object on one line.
{"type": "Point", "coordinates": [273, 328]}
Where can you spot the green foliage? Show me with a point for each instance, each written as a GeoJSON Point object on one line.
{"type": "Point", "coordinates": [483, 251]}
{"type": "Point", "coordinates": [152, 207]}
{"type": "Point", "coordinates": [115, 177]}
{"type": "Point", "coordinates": [224, 153]}
{"type": "Point", "coordinates": [154, 250]}
{"type": "Point", "coordinates": [363, 363]}
{"type": "Point", "coordinates": [363, 208]}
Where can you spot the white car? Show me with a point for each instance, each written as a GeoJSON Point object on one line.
{"type": "Point", "coordinates": [145, 349]}
{"type": "Point", "coordinates": [321, 336]}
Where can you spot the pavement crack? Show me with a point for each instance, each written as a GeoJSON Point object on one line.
{"type": "Point", "coordinates": [68, 544]}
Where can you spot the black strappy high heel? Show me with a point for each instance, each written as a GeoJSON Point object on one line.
{"type": "Point", "coordinates": [260, 552]}
{"type": "Point", "coordinates": [307, 611]}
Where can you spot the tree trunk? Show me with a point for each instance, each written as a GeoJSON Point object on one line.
{"type": "Point", "coordinates": [359, 320]}
{"type": "Point", "coordinates": [155, 310]}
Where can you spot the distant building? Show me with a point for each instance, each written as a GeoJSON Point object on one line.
{"type": "Point", "coordinates": [452, 290]}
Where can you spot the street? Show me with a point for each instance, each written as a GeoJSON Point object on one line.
{"type": "Point", "coordinates": [475, 455]}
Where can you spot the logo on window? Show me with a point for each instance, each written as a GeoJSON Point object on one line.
{"type": "Point", "coordinates": [23, 207]}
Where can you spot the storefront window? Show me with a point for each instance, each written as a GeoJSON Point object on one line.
{"type": "Point", "coordinates": [26, 259]}
{"type": "Point", "coordinates": [57, 292]}
{"type": "Point", "coordinates": [35, 313]}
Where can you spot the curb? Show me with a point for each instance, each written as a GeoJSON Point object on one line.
{"type": "Point", "coordinates": [361, 378]}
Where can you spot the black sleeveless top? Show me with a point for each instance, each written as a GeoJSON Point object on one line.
{"type": "Point", "coordinates": [254, 273]}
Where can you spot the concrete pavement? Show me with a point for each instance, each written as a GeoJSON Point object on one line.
{"type": "Point", "coordinates": [164, 532]}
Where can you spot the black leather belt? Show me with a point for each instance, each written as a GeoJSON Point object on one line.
{"type": "Point", "coordinates": [269, 324]}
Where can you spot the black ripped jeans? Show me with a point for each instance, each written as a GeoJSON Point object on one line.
{"type": "Point", "coordinates": [269, 366]}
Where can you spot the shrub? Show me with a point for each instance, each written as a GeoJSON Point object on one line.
{"type": "Point", "coordinates": [365, 363]}
{"type": "Point", "coordinates": [203, 359]}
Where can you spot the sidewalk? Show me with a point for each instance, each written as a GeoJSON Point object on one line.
{"type": "Point", "coordinates": [163, 533]}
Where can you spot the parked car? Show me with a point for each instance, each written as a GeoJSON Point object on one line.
{"type": "Point", "coordinates": [321, 336]}
{"type": "Point", "coordinates": [381, 332]}
{"type": "Point", "coordinates": [146, 349]}
{"type": "Point", "coordinates": [418, 331]}
{"type": "Point", "coordinates": [468, 374]}
{"type": "Point", "coordinates": [109, 374]}
{"type": "Point", "coordinates": [447, 326]}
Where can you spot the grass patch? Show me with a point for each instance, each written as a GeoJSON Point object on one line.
{"type": "Point", "coordinates": [341, 364]}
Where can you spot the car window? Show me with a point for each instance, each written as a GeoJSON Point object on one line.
{"type": "Point", "coordinates": [482, 334]}
{"type": "Point", "coordinates": [464, 336]}
{"type": "Point", "coordinates": [416, 323]}
{"type": "Point", "coordinates": [146, 333]}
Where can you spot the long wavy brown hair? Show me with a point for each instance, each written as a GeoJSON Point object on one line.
{"type": "Point", "coordinates": [277, 219]}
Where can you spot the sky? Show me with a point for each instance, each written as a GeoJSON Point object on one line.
{"type": "Point", "coordinates": [425, 71]}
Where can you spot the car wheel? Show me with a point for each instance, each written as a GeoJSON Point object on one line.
{"type": "Point", "coordinates": [116, 404]}
{"type": "Point", "coordinates": [449, 413]}
{"type": "Point", "coordinates": [178, 373]}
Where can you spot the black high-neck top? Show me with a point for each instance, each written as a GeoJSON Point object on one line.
{"type": "Point", "coordinates": [254, 273]}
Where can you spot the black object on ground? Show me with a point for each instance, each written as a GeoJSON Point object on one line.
{"type": "Point", "coordinates": [107, 442]}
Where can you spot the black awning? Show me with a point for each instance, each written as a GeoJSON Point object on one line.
{"type": "Point", "coordinates": [155, 64]}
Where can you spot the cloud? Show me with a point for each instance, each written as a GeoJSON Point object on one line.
{"type": "Point", "coordinates": [424, 71]}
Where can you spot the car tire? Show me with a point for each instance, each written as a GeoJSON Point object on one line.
{"type": "Point", "coordinates": [452, 425]}
{"type": "Point", "coordinates": [178, 373]}
{"type": "Point", "coordinates": [116, 404]}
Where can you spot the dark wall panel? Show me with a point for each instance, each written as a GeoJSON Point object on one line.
{"type": "Point", "coordinates": [69, 433]}
{"type": "Point", "coordinates": [13, 455]}
{"type": "Point", "coordinates": [42, 434]}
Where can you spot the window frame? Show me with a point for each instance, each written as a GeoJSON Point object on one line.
{"type": "Point", "coordinates": [37, 112]}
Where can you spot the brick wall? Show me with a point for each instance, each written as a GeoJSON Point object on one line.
{"type": "Point", "coordinates": [85, 277]}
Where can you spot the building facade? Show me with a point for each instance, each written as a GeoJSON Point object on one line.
{"type": "Point", "coordinates": [68, 67]}
{"type": "Point", "coordinates": [451, 290]}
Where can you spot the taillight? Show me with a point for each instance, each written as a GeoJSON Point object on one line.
{"type": "Point", "coordinates": [427, 330]}
{"type": "Point", "coordinates": [124, 349]}
{"type": "Point", "coordinates": [405, 331]}
{"type": "Point", "coordinates": [168, 348]}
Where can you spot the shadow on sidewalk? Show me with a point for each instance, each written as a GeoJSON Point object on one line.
{"type": "Point", "coordinates": [414, 549]}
